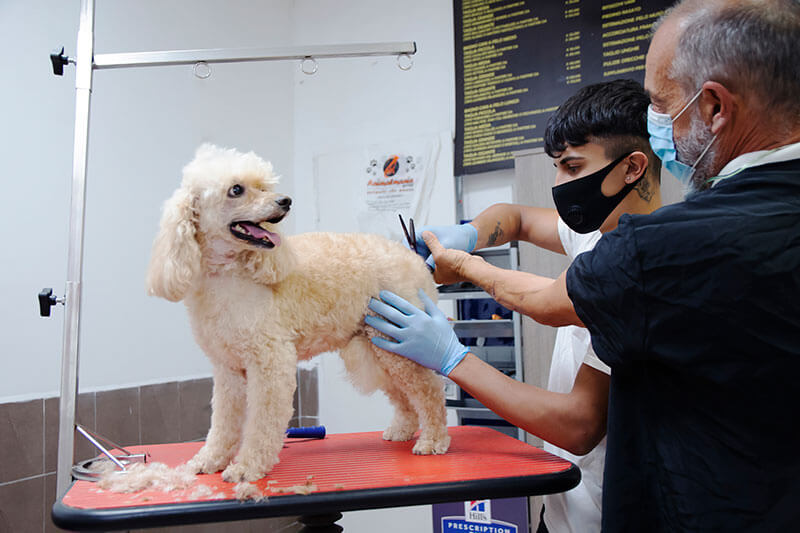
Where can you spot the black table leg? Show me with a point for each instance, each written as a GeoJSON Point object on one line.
{"type": "Point", "coordinates": [320, 523]}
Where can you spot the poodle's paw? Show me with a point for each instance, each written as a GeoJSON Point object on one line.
{"type": "Point", "coordinates": [431, 447]}
{"type": "Point", "coordinates": [238, 472]}
{"type": "Point", "coordinates": [399, 433]}
{"type": "Point", "coordinates": [248, 469]}
{"type": "Point", "coordinates": [207, 462]}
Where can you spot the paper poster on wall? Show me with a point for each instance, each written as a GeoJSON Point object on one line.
{"type": "Point", "coordinates": [363, 190]}
{"type": "Point", "coordinates": [391, 185]}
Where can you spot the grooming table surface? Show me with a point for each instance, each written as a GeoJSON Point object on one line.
{"type": "Point", "coordinates": [350, 471]}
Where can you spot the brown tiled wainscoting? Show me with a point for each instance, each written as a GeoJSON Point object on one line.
{"type": "Point", "coordinates": [177, 411]}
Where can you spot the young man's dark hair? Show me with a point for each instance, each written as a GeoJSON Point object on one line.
{"type": "Point", "coordinates": [612, 114]}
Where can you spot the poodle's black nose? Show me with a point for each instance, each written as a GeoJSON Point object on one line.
{"type": "Point", "coordinates": [284, 201]}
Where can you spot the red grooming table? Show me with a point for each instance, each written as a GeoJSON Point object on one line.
{"type": "Point", "coordinates": [351, 471]}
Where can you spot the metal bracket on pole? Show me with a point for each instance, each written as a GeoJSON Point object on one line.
{"type": "Point", "coordinates": [47, 300]}
{"type": "Point", "coordinates": [59, 61]}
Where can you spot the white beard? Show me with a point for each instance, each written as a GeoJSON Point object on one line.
{"type": "Point", "coordinates": [690, 148]}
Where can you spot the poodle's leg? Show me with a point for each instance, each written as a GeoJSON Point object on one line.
{"type": "Point", "coordinates": [428, 399]}
{"type": "Point", "coordinates": [227, 416]}
{"type": "Point", "coordinates": [405, 422]}
{"type": "Point", "coordinates": [366, 374]}
{"type": "Point", "coordinates": [425, 392]}
{"type": "Point", "coordinates": [271, 382]}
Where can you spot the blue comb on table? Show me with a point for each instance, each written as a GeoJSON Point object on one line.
{"type": "Point", "coordinates": [309, 432]}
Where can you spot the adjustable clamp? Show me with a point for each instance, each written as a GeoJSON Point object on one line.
{"type": "Point", "coordinates": [59, 60]}
{"type": "Point", "coordinates": [47, 300]}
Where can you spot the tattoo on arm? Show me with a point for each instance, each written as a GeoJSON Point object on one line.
{"type": "Point", "coordinates": [496, 234]}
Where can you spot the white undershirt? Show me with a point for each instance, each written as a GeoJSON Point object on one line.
{"type": "Point", "coordinates": [577, 510]}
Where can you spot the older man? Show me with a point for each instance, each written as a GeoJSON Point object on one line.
{"type": "Point", "coordinates": [696, 308]}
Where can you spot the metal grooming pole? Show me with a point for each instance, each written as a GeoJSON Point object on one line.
{"type": "Point", "coordinates": [86, 62]}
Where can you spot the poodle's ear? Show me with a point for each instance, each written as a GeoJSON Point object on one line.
{"type": "Point", "coordinates": [175, 258]}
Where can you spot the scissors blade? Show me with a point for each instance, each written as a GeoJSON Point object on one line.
{"type": "Point", "coordinates": [411, 242]}
{"type": "Point", "coordinates": [413, 234]}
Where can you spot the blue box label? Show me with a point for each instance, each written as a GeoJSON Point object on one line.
{"type": "Point", "coordinates": [457, 524]}
{"type": "Point", "coordinates": [509, 515]}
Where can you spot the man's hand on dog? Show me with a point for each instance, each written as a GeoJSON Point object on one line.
{"type": "Point", "coordinates": [424, 336]}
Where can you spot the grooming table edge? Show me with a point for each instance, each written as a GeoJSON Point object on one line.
{"type": "Point", "coordinates": [482, 463]}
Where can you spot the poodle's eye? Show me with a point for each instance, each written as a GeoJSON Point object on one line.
{"type": "Point", "coordinates": [236, 190]}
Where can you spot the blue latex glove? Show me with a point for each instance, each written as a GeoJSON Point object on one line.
{"type": "Point", "coordinates": [425, 337]}
{"type": "Point", "coordinates": [460, 237]}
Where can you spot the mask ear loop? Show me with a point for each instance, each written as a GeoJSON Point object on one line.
{"type": "Point", "coordinates": [628, 187]}
{"type": "Point", "coordinates": [714, 138]}
{"type": "Point", "coordinates": [611, 166]}
{"type": "Point", "coordinates": [640, 178]}
{"type": "Point", "coordinates": [694, 167]}
{"type": "Point", "coordinates": [688, 104]}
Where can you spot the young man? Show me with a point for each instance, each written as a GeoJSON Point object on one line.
{"type": "Point", "coordinates": [604, 167]}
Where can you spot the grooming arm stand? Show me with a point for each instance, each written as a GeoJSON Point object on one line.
{"type": "Point", "coordinates": [86, 62]}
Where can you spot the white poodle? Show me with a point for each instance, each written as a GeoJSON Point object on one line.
{"type": "Point", "coordinates": [258, 302]}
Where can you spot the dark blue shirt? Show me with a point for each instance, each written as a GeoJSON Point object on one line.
{"type": "Point", "coordinates": [696, 309]}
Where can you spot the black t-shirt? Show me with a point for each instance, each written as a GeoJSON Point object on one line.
{"type": "Point", "coordinates": [696, 309]}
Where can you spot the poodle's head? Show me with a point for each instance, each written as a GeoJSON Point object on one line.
{"type": "Point", "coordinates": [226, 211]}
{"type": "Point", "coordinates": [234, 201]}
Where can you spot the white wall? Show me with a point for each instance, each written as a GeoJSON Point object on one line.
{"type": "Point", "coordinates": [145, 126]}
{"type": "Point", "coordinates": [350, 104]}
{"type": "Point", "coordinates": [483, 190]}
{"type": "Point", "coordinates": [34, 148]}
{"type": "Point", "coordinates": [353, 103]}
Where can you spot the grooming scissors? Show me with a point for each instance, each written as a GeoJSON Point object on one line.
{"type": "Point", "coordinates": [411, 238]}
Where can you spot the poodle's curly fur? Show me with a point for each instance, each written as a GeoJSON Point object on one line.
{"type": "Point", "coordinates": [258, 302]}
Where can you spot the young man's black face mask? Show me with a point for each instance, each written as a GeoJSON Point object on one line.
{"type": "Point", "coordinates": [581, 203]}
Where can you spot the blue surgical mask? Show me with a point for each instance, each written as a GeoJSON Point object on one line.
{"type": "Point", "coordinates": [659, 126]}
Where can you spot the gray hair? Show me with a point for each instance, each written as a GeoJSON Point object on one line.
{"type": "Point", "coordinates": [750, 46]}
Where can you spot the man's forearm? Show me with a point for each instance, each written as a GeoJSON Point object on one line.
{"type": "Point", "coordinates": [497, 224]}
{"type": "Point", "coordinates": [502, 223]}
{"type": "Point", "coordinates": [574, 422]}
{"type": "Point", "coordinates": [535, 296]}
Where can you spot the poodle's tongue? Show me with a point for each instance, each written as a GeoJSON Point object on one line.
{"type": "Point", "coordinates": [260, 233]}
